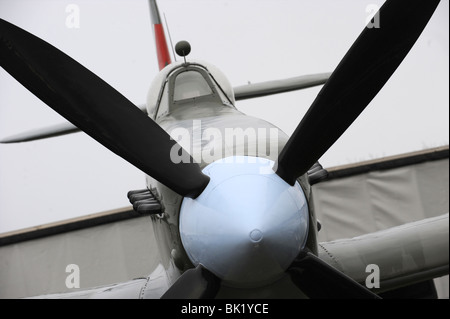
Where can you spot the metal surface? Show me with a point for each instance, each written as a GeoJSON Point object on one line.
{"type": "Point", "coordinates": [248, 225]}
{"type": "Point", "coordinates": [405, 254]}
{"type": "Point", "coordinates": [253, 90]}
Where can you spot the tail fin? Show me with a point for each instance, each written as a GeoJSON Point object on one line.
{"type": "Point", "coordinates": [160, 38]}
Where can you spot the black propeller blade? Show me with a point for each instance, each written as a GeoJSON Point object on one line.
{"type": "Point", "coordinates": [95, 107]}
{"type": "Point", "coordinates": [197, 283]}
{"type": "Point", "coordinates": [360, 75]}
{"type": "Point", "coordinates": [318, 280]}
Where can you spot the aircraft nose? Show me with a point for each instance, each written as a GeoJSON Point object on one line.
{"type": "Point", "coordinates": [248, 225]}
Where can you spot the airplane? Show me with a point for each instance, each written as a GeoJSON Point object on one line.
{"type": "Point", "coordinates": [229, 194]}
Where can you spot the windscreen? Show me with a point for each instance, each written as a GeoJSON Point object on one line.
{"type": "Point", "coordinates": [190, 84]}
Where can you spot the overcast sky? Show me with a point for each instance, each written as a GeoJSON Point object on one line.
{"type": "Point", "coordinates": [250, 40]}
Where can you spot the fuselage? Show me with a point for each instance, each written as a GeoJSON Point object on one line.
{"type": "Point", "coordinates": [209, 128]}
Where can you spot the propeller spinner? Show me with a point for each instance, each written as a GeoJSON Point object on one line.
{"type": "Point", "coordinates": [248, 225]}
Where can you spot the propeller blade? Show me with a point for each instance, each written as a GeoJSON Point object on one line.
{"type": "Point", "coordinates": [96, 108]}
{"type": "Point", "coordinates": [319, 280]}
{"type": "Point", "coordinates": [360, 75]}
{"type": "Point", "coordinates": [197, 283]}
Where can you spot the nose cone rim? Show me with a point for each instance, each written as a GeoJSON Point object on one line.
{"type": "Point", "coordinates": [256, 235]}
{"type": "Point", "coordinates": [246, 227]}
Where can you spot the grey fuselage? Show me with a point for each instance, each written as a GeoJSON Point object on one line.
{"type": "Point", "coordinates": [209, 128]}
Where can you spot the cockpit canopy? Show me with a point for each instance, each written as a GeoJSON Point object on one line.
{"type": "Point", "coordinates": [180, 83]}
{"type": "Point", "coordinates": [189, 84]}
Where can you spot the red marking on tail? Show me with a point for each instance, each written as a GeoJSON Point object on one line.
{"type": "Point", "coordinates": [160, 37]}
{"type": "Point", "coordinates": [161, 46]}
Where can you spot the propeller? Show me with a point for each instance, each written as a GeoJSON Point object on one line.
{"type": "Point", "coordinates": [360, 75]}
{"type": "Point", "coordinates": [195, 283]}
{"type": "Point", "coordinates": [96, 108]}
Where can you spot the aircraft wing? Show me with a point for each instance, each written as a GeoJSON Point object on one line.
{"type": "Point", "coordinates": [404, 255]}
{"type": "Point", "coordinates": [41, 133]}
{"type": "Point", "coordinates": [279, 86]}
{"type": "Point", "coordinates": [152, 287]}
{"type": "Point", "coordinates": [240, 92]}
{"type": "Point", "coordinates": [49, 131]}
